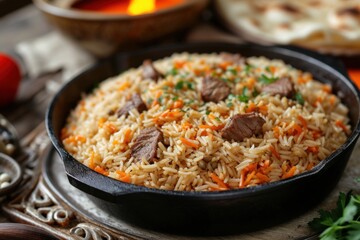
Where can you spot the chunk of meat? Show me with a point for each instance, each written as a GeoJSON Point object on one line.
{"type": "Point", "coordinates": [233, 57]}
{"type": "Point", "coordinates": [284, 87]}
{"type": "Point", "coordinates": [242, 126]}
{"type": "Point", "coordinates": [146, 144]}
{"type": "Point", "coordinates": [213, 89]}
{"type": "Point", "coordinates": [150, 72]}
{"type": "Point", "coordinates": [134, 102]}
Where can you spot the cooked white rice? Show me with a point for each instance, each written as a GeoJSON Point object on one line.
{"type": "Point", "coordinates": [297, 135]}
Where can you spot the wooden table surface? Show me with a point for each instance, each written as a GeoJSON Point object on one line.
{"type": "Point", "coordinates": [29, 110]}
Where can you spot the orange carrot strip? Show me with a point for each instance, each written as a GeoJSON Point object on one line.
{"type": "Point", "coordinates": [218, 181]}
{"type": "Point", "coordinates": [179, 64]}
{"type": "Point", "coordinates": [309, 166]}
{"type": "Point", "coordinates": [262, 177]}
{"type": "Point", "coordinates": [123, 176]}
{"type": "Point", "coordinates": [101, 170]}
{"type": "Point", "coordinates": [303, 121]}
{"type": "Point", "coordinates": [178, 104]}
{"type": "Point", "coordinates": [263, 109]}
{"type": "Point", "coordinates": [186, 125]}
{"type": "Point", "coordinates": [314, 149]}
{"type": "Point", "coordinates": [276, 131]}
{"type": "Point", "coordinates": [111, 128]}
{"type": "Point", "coordinates": [249, 177]}
{"type": "Point", "coordinates": [274, 152]}
{"type": "Point", "coordinates": [251, 108]}
{"type": "Point", "coordinates": [189, 143]}
{"type": "Point", "coordinates": [341, 125]}
{"type": "Point", "coordinates": [273, 69]}
{"type": "Point", "coordinates": [290, 173]}
{"type": "Point", "coordinates": [124, 86]}
{"type": "Point", "coordinates": [127, 135]}
{"type": "Point", "coordinates": [326, 88]}
{"type": "Point", "coordinates": [224, 65]}
{"type": "Point", "coordinates": [212, 127]}
{"type": "Point", "coordinates": [91, 161]}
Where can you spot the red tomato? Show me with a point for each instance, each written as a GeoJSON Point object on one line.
{"type": "Point", "coordinates": [10, 77]}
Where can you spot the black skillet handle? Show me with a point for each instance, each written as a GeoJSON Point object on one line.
{"type": "Point", "coordinates": [330, 60]}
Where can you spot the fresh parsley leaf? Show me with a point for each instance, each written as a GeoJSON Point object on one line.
{"type": "Point", "coordinates": [267, 80]}
{"type": "Point", "coordinates": [341, 222]}
{"type": "Point", "coordinates": [248, 68]}
{"type": "Point", "coordinates": [299, 98]}
{"type": "Point", "coordinates": [229, 104]}
{"type": "Point", "coordinates": [244, 96]}
{"type": "Point", "coordinates": [207, 112]}
{"type": "Point", "coordinates": [218, 119]}
{"type": "Point", "coordinates": [173, 72]}
{"type": "Point", "coordinates": [190, 85]}
{"type": "Point", "coordinates": [179, 85]}
{"type": "Point", "coordinates": [175, 98]}
{"type": "Point", "coordinates": [231, 70]}
{"type": "Point", "coordinates": [268, 69]}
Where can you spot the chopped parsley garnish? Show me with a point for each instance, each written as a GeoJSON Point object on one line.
{"type": "Point", "coordinates": [299, 98]}
{"type": "Point", "coordinates": [244, 96]}
{"type": "Point", "coordinates": [190, 102]}
{"type": "Point", "coordinates": [190, 85]}
{"type": "Point", "coordinates": [217, 119]}
{"type": "Point", "coordinates": [248, 68]}
{"type": "Point", "coordinates": [165, 87]}
{"type": "Point", "coordinates": [229, 104]}
{"type": "Point", "coordinates": [231, 96]}
{"type": "Point", "coordinates": [173, 72]}
{"type": "Point", "coordinates": [179, 85]}
{"type": "Point", "coordinates": [175, 98]}
{"type": "Point", "coordinates": [267, 80]}
{"type": "Point", "coordinates": [341, 222]}
{"type": "Point", "coordinates": [231, 70]}
{"type": "Point", "coordinates": [268, 69]}
{"type": "Point", "coordinates": [225, 79]}
{"type": "Point", "coordinates": [207, 112]}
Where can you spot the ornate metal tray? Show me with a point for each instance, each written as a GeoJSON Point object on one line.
{"type": "Point", "coordinates": [46, 199]}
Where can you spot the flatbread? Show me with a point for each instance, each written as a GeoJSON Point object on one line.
{"type": "Point", "coordinates": [330, 25]}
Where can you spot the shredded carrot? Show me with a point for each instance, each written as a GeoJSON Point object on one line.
{"type": "Point", "coordinates": [179, 64]}
{"type": "Point", "coordinates": [91, 161]}
{"type": "Point", "coordinates": [123, 176]}
{"type": "Point", "coordinates": [251, 108]}
{"type": "Point", "coordinates": [115, 142]}
{"type": "Point", "coordinates": [295, 130]}
{"type": "Point", "coordinates": [341, 125]}
{"type": "Point", "coordinates": [310, 166]}
{"type": "Point", "coordinates": [248, 178]}
{"type": "Point", "coordinates": [289, 173]}
{"type": "Point", "coordinates": [218, 181]}
{"type": "Point", "coordinates": [101, 122]}
{"type": "Point", "coordinates": [276, 131]}
{"type": "Point", "coordinates": [186, 125]}
{"type": "Point", "coordinates": [124, 86]}
{"type": "Point", "coordinates": [316, 134]}
{"type": "Point", "coordinates": [332, 100]}
{"type": "Point", "coordinates": [302, 120]}
{"type": "Point", "coordinates": [251, 82]}
{"type": "Point", "coordinates": [212, 116]}
{"type": "Point", "coordinates": [111, 128]}
{"type": "Point", "coordinates": [189, 142]}
{"type": "Point", "coordinates": [224, 65]}
{"type": "Point", "coordinates": [273, 69]}
{"type": "Point", "coordinates": [178, 104]}
{"type": "Point", "coordinates": [127, 135]}
{"type": "Point", "coordinates": [262, 177]}
{"type": "Point", "coordinates": [313, 149]}
{"type": "Point", "coordinates": [326, 88]}
{"type": "Point", "coordinates": [304, 78]}
{"type": "Point", "coordinates": [212, 127]}
{"type": "Point", "coordinates": [250, 167]}
{"type": "Point", "coordinates": [75, 139]}
{"type": "Point", "coordinates": [101, 170]}
{"type": "Point", "coordinates": [274, 152]}
{"type": "Point", "coordinates": [263, 109]}
{"type": "Point", "coordinates": [64, 134]}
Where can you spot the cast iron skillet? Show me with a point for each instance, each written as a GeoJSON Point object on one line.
{"type": "Point", "coordinates": [207, 212]}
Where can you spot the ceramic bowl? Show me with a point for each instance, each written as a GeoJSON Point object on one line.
{"type": "Point", "coordinates": [102, 34]}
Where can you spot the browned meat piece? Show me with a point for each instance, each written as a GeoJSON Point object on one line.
{"type": "Point", "coordinates": [242, 126]}
{"type": "Point", "coordinates": [284, 87]}
{"type": "Point", "coordinates": [134, 102]}
{"type": "Point", "coordinates": [213, 89]}
{"type": "Point", "coordinates": [232, 57]}
{"type": "Point", "coordinates": [150, 72]}
{"type": "Point", "coordinates": [146, 144]}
